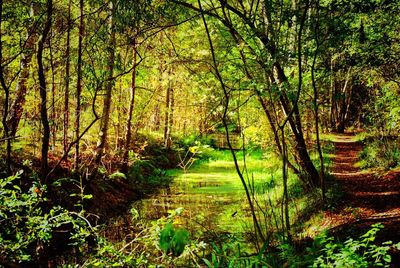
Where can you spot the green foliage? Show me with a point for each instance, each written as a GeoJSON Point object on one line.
{"type": "Point", "coordinates": [117, 175]}
{"type": "Point", "coordinates": [27, 225]}
{"type": "Point", "coordinates": [143, 249]}
{"type": "Point", "coordinates": [383, 153]}
{"type": "Point", "coordinates": [193, 139]}
{"type": "Point", "coordinates": [229, 254]}
{"type": "Point", "coordinates": [173, 240]}
{"type": "Point", "coordinates": [361, 252]}
{"type": "Point", "coordinates": [108, 254]}
{"type": "Point", "coordinates": [147, 172]}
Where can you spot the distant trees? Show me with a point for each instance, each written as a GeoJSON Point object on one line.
{"type": "Point", "coordinates": [257, 30]}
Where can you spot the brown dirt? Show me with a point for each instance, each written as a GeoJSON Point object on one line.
{"type": "Point", "coordinates": [368, 196]}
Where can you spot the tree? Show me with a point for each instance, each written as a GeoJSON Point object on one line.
{"type": "Point", "coordinates": [240, 20]}
{"type": "Point", "coordinates": [43, 89]}
{"type": "Point", "coordinates": [67, 78]}
{"type": "Point", "coordinates": [108, 86]}
{"type": "Point", "coordinates": [17, 106]}
{"type": "Point", "coordinates": [79, 82]}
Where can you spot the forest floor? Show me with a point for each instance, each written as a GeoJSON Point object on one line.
{"type": "Point", "coordinates": [369, 196]}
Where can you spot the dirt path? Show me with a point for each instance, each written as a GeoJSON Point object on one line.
{"type": "Point", "coordinates": [368, 197]}
{"type": "Point", "coordinates": [373, 196]}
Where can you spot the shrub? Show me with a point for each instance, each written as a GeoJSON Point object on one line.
{"type": "Point", "coordinates": [28, 225]}
{"type": "Point", "coordinates": [360, 252]}
{"type": "Point", "coordinates": [381, 153]}
{"type": "Point", "coordinates": [173, 240]}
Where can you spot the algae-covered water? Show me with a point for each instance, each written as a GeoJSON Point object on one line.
{"type": "Point", "coordinates": [211, 192]}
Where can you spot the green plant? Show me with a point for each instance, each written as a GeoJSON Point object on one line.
{"type": "Point", "coordinates": [380, 153]}
{"type": "Point", "coordinates": [173, 240]}
{"type": "Point", "coordinates": [28, 225]}
{"type": "Point", "coordinates": [230, 254]}
{"type": "Point", "coordinates": [361, 252]}
{"type": "Point", "coordinates": [146, 172]}
{"type": "Point", "coordinates": [109, 255]}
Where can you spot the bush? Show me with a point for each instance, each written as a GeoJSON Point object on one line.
{"type": "Point", "coordinates": [193, 139]}
{"type": "Point", "coordinates": [353, 253]}
{"type": "Point", "coordinates": [145, 172]}
{"type": "Point", "coordinates": [28, 226]}
{"type": "Point", "coordinates": [381, 153]}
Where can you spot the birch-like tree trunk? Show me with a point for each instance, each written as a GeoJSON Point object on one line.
{"type": "Point", "coordinates": [101, 144]}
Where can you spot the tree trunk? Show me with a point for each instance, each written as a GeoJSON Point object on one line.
{"type": "Point", "coordinates": [169, 104]}
{"type": "Point", "coordinates": [169, 116]}
{"type": "Point", "coordinates": [43, 92]}
{"type": "Point", "coordinates": [311, 175]}
{"type": "Point", "coordinates": [17, 106]}
{"type": "Point", "coordinates": [130, 113]}
{"type": "Point", "coordinates": [117, 127]}
{"type": "Point", "coordinates": [166, 119]}
{"type": "Point", "coordinates": [79, 85]}
{"type": "Point", "coordinates": [53, 93]}
{"type": "Point", "coordinates": [316, 107]}
{"type": "Point", "coordinates": [272, 124]}
{"type": "Point", "coordinates": [66, 80]}
{"type": "Point", "coordinates": [294, 119]}
{"type": "Point", "coordinates": [316, 118]}
{"type": "Point", "coordinates": [344, 103]}
{"type": "Point", "coordinates": [101, 144]}
{"type": "Point", "coordinates": [6, 98]}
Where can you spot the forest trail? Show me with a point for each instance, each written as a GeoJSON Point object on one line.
{"type": "Point", "coordinates": [368, 196]}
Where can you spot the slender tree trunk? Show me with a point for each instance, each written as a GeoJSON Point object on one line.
{"type": "Point", "coordinates": [7, 96]}
{"type": "Point", "coordinates": [119, 119]}
{"type": "Point", "coordinates": [316, 108]}
{"type": "Point", "coordinates": [53, 93]}
{"type": "Point", "coordinates": [169, 103]}
{"type": "Point", "coordinates": [157, 110]}
{"type": "Point", "coordinates": [344, 103]}
{"type": "Point", "coordinates": [43, 91]}
{"type": "Point", "coordinates": [333, 112]}
{"type": "Point", "coordinates": [66, 80]}
{"type": "Point", "coordinates": [302, 156]}
{"type": "Point", "coordinates": [101, 144]}
{"type": "Point", "coordinates": [79, 85]}
{"type": "Point", "coordinates": [166, 119]}
{"type": "Point", "coordinates": [316, 118]}
{"type": "Point", "coordinates": [17, 106]}
{"type": "Point", "coordinates": [272, 124]}
{"type": "Point", "coordinates": [285, 186]}
{"type": "Point", "coordinates": [171, 116]}
{"type": "Point", "coordinates": [130, 112]}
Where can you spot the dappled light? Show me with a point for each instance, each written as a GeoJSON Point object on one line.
{"type": "Point", "coordinates": [199, 133]}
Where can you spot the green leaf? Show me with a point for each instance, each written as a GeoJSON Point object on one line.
{"type": "Point", "coordinates": [166, 237]}
{"type": "Point", "coordinates": [16, 187]}
{"type": "Point", "coordinates": [207, 262]}
{"type": "Point", "coordinates": [179, 240]}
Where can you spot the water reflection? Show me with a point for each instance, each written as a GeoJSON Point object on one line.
{"type": "Point", "coordinates": [209, 203]}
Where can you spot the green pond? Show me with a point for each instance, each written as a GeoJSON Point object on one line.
{"type": "Point", "coordinates": [212, 194]}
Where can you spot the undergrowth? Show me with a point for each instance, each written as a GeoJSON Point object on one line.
{"type": "Point", "coordinates": [383, 152]}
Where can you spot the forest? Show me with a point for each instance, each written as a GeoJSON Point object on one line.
{"type": "Point", "coordinates": [200, 133]}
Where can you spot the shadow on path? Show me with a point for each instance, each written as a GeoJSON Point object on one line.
{"type": "Point", "coordinates": [368, 197]}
